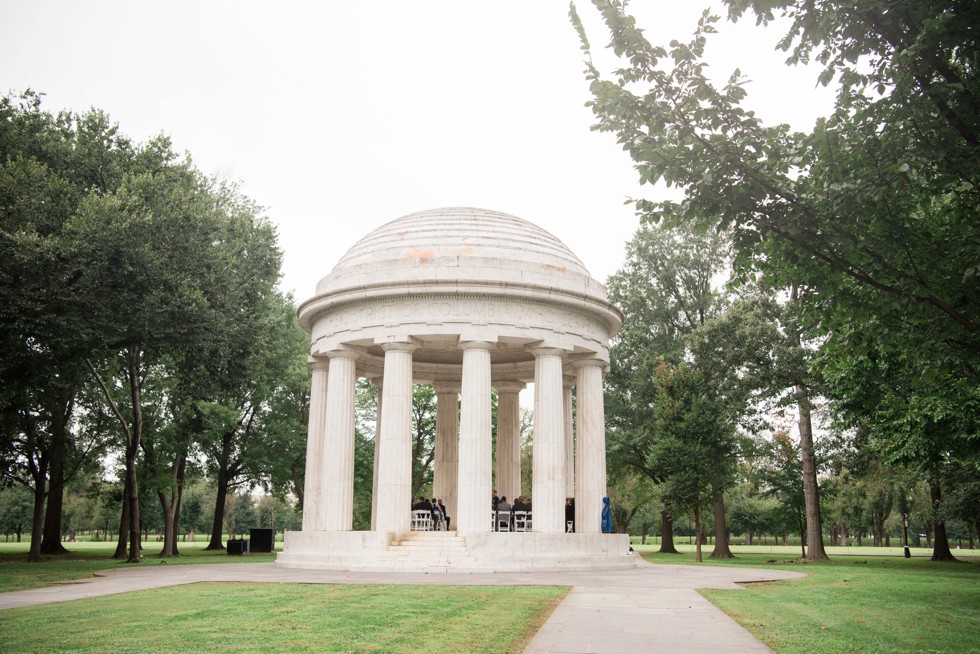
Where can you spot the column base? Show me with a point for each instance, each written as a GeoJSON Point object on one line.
{"type": "Point", "coordinates": [458, 552]}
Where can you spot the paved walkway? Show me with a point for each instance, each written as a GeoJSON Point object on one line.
{"type": "Point", "coordinates": [651, 608]}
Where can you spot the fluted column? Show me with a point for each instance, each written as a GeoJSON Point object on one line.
{"type": "Point", "coordinates": [395, 465]}
{"type": "Point", "coordinates": [446, 470]}
{"type": "Point", "coordinates": [591, 447]}
{"type": "Point", "coordinates": [475, 439]}
{"type": "Point", "coordinates": [509, 439]}
{"type": "Point", "coordinates": [569, 440]}
{"type": "Point", "coordinates": [338, 457]}
{"type": "Point", "coordinates": [313, 482]}
{"type": "Point", "coordinates": [377, 457]}
{"type": "Point", "coordinates": [548, 482]}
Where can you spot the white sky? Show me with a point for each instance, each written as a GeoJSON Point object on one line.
{"type": "Point", "coordinates": [341, 116]}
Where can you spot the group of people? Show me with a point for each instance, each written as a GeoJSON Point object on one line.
{"type": "Point", "coordinates": [500, 504]}
{"type": "Point", "coordinates": [504, 510]}
{"type": "Point", "coordinates": [435, 506]}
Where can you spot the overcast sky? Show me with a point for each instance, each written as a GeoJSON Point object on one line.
{"type": "Point", "coordinates": [338, 117]}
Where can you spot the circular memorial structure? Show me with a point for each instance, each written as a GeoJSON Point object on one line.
{"type": "Point", "coordinates": [467, 300]}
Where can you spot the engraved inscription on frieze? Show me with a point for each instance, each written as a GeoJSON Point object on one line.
{"type": "Point", "coordinates": [450, 310]}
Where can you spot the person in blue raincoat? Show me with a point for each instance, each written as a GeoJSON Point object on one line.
{"type": "Point", "coordinates": [606, 516]}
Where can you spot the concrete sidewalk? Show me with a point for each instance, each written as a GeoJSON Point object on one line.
{"type": "Point", "coordinates": [649, 608]}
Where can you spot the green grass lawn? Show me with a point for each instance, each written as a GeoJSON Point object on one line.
{"type": "Point", "coordinates": [234, 618]}
{"type": "Point", "coordinates": [85, 558]}
{"type": "Point", "coordinates": [855, 604]}
{"type": "Point", "coordinates": [874, 602]}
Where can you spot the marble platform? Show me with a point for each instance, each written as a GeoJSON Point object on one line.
{"type": "Point", "coordinates": [442, 551]}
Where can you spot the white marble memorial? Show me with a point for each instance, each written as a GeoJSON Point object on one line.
{"type": "Point", "coordinates": [467, 300]}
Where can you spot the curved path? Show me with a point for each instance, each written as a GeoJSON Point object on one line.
{"type": "Point", "coordinates": [650, 608]}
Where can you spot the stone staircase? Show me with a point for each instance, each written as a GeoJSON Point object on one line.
{"type": "Point", "coordinates": [425, 551]}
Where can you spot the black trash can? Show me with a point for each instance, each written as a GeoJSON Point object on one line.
{"type": "Point", "coordinates": [237, 546]}
{"type": "Point", "coordinates": [262, 540]}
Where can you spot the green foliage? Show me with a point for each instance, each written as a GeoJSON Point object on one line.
{"type": "Point", "coordinates": [696, 444]}
{"type": "Point", "coordinates": [875, 208]}
{"type": "Point", "coordinates": [130, 281]}
{"type": "Point", "coordinates": [666, 290]}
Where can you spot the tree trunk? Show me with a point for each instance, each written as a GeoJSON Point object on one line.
{"type": "Point", "coordinates": [667, 534]}
{"type": "Point", "coordinates": [843, 534]}
{"type": "Point", "coordinates": [171, 508]}
{"type": "Point", "coordinates": [941, 550]}
{"type": "Point", "coordinates": [219, 514]}
{"type": "Point", "coordinates": [814, 532]}
{"type": "Point", "coordinates": [722, 549]}
{"type": "Point", "coordinates": [134, 507]}
{"type": "Point", "coordinates": [297, 470]}
{"type": "Point", "coordinates": [51, 539]}
{"type": "Point", "coordinates": [37, 520]}
{"type": "Point", "coordinates": [120, 552]}
{"type": "Point", "coordinates": [697, 533]}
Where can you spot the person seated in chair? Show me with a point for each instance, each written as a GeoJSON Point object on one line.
{"type": "Point", "coordinates": [422, 505]}
{"type": "Point", "coordinates": [442, 509]}
{"type": "Point", "coordinates": [520, 505]}
{"type": "Point", "coordinates": [503, 511]}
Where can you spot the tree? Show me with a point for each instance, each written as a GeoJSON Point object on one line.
{"type": "Point", "coordinates": [867, 200]}
{"type": "Point", "coordinates": [16, 510]}
{"type": "Point", "coordinates": [48, 164]}
{"type": "Point", "coordinates": [666, 290]}
{"type": "Point", "coordinates": [873, 211]}
{"type": "Point", "coordinates": [696, 440]}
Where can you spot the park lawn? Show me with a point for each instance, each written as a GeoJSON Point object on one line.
{"type": "Point", "coordinates": [855, 604]}
{"type": "Point", "coordinates": [85, 559]}
{"type": "Point", "coordinates": [240, 617]}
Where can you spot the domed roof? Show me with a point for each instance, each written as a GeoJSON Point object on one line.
{"type": "Point", "coordinates": [454, 245]}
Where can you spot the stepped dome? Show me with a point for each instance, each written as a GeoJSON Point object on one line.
{"type": "Point", "coordinates": [458, 245]}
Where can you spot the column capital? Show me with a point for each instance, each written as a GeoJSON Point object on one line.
{"type": "Point", "coordinates": [590, 362]}
{"type": "Point", "coordinates": [476, 345]}
{"type": "Point", "coordinates": [545, 350]}
{"type": "Point", "coordinates": [446, 387]}
{"type": "Point", "coordinates": [343, 352]}
{"type": "Point", "coordinates": [318, 363]}
{"type": "Point", "coordinates": [509, 387]}
{"type": "Point", "coordinates": [399, 346]}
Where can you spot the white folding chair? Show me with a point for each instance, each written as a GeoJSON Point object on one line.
{"type": "Point", "coordinates": [421, 520]}
{"type": "Point", "coordinates": [520, 520]}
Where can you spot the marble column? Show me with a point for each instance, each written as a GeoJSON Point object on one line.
{"type": "Point", "coordinates": [312, 484]}
{"type": "Point", "coordinates": [569, 440]}
{"type": "Point", "coordinates": [377, 456]}
{"type": "Point", "coordinates": [338, 459]}
{"type": "Point", "coordinates": [509, 440]}
{"type": "Point", "coordinates": [475, 440]}
{"type": "Point", "coordinates": [445, 474]}
{"type": "Point", "coordinates": [395, 465]}
{"type": "Point", "coordinates": [547, 478]}
{"type": "Point", "coordinates": [591, 451]}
